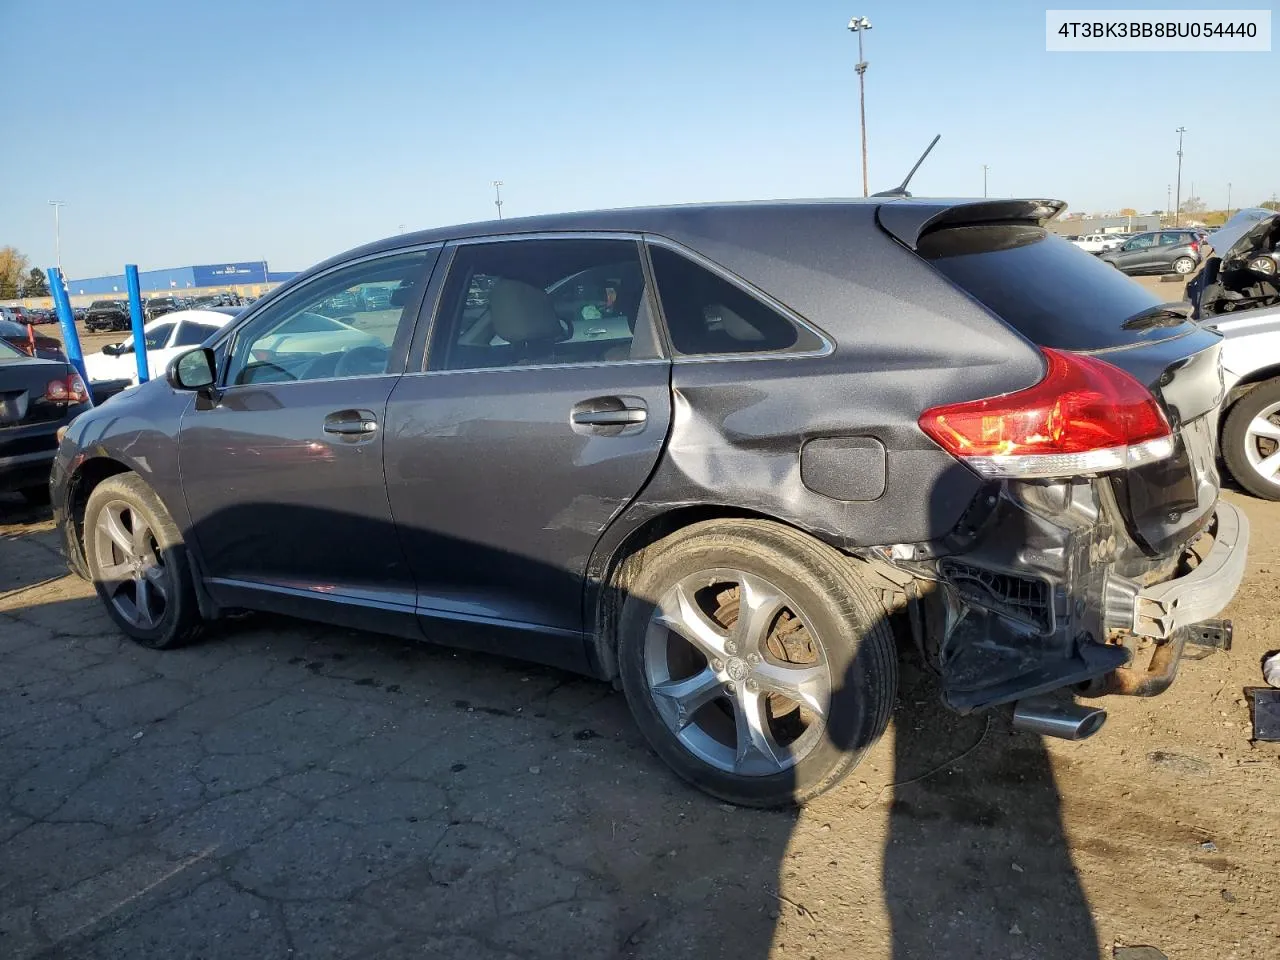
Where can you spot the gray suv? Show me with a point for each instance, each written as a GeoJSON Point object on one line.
{"type": "Point", "coordinates": [722, 456]}
{"type": "Point", "coordinates": [1160, 251]}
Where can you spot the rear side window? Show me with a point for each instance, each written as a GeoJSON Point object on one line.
{"type": "Point", "coordinates": [193, 334]}
{"type": "Point", "coordinates": [1052, 293]}
{"type": "Point", "coordinates": [706, 313]}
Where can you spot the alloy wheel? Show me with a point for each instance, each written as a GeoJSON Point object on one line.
{"type": "Point", "coordinates": [1262, 443]}
{"type": "Point", "coordinates": [130, 564]}
{"type": "Point", "coordinates": [1184, 265]}
{"type": "Point", "coordinates": [736, 672]}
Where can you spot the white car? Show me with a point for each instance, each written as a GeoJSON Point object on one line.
{"type": "Point", "coordinates": [166, 337]}
{"type": "Point", "coordinates": [1099, 242]}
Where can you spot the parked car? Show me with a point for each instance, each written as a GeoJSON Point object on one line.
{"type": "Point", "coordinates": [42, 315]}
{"type": "Point", "coordinates": [1243, 302]}
{"type": "Point", "coordinates": [158, 306]}
{"type": "Point", "coordinates": [1159, 251]}
{"type": "Point", "coordinates": [107, 315]}
{"type": "Point", "coordinates": [37, 396]}
{"type": "Point", "coordinates": [813, 424]}
{"type": "Point", "coordinates": [25, 339]}
{"type": "Point", "coordinates": [165, 338]}
{"type": "Point", "coordinates": [1099, 242]}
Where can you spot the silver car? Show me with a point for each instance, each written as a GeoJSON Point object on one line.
{"type": "Point", "coordinates": [1242, 301]}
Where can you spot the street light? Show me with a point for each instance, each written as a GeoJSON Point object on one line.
{"type": "Point", "coordinates": [57, 232]}
{"type": "Point", "coordinates": [1177, 199]}
{"type": "Point", "coordinates": [1228, 199]}
{"type": "Point", "coordinates": [984, 180]}
{"type": "Point", "coordinates": [497, 196]}
{"type": "Point", "coordinates": [859, 25]}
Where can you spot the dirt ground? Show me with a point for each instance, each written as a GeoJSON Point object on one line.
{"type": "Point", "coordinates": [286, 789]}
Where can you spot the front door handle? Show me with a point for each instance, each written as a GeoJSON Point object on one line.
{"type": "Point", "coordinates": [351, 423]}
{"type": "Point", "coordinates": [610, 418]}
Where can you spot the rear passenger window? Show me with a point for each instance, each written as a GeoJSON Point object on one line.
{"type": "Point", "coordinates": [705, 313]}
{"type": "Point", "coordinates": [534, 302]}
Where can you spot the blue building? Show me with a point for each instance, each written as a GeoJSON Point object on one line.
{"type": "Point", "coordinates": [177, 280]}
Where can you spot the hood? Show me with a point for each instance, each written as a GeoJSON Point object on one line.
{"type": "Point", "coordinates": [1243, 233]}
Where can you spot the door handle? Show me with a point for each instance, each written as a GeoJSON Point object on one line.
{"type": "Point", "coordinates": [351, 423]}
{"type": "Point", "coordinates": [610, 418]}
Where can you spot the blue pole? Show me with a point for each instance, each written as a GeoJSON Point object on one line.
{"type": "Point", "coordinates": [67, 320]}
{"type": "Point", "coordinates": [135, 315]}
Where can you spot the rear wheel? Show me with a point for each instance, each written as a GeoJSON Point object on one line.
{"type": "Point", "coordinates": [1183, 266]}
{"type": "Point", "coordinates": [1251, 441]}
{"type": "Point", "coordinates": [755, 662]}
{"type": "Point", "coordinates": [138, 563]}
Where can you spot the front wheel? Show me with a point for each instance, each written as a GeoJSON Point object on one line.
{"type": "Point", "coordinates": [138, 563]}
{"type": "Point", "coordinates": [1183, 266]}
{"type": "Point", "coordinates": [1251, 441]}
{"type": "Point", "coordinates": [756, 663]}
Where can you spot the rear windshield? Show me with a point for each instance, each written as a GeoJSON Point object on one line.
{"type": "Point", "coordinates": [1051, 292]}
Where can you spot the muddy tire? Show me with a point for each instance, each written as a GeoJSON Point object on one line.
{"type": "Point", "coordinates": [755, 661]}
{"type": "Point", "coordinates": [138, 563]}
{"type": "Point", "coordinates": [1251, 440]}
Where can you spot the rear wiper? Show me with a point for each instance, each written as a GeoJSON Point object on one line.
{"type": "Point", "coordinates": [1161, 315]}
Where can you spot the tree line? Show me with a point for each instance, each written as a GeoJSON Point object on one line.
{"type": "Point", "coordinates": [16, 280]}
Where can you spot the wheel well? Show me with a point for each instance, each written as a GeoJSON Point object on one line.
{"type": "Point", "coordinates": [624, 563]}
{"type": "Point", "coordinates": [1243, 388]}
{"type": "Point", "coordinates": [91, 473]}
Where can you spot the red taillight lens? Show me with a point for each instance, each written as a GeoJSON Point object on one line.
{"type": "Point", "coordinates": [1085, 416]}
{"type": "Point", "coordinates": [70, 390]}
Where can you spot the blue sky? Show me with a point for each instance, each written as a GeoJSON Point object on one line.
{"type": "Point", "coordinates": [183, 132]}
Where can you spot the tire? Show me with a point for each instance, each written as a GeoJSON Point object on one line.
{"type": "Point", "coordinates": [171, 616]}
{"type": "Point", "coordinates": [816, 619]}
{"type": "Point", "coordinates": [36, 496]}
{"type": "Point", "coordinates": [1184, 266]}
{"type": "Point", "coordinates": [1244, 447]}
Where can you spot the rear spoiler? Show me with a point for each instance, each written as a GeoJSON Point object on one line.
{"type": "Point", "coordinates": [910, 219]}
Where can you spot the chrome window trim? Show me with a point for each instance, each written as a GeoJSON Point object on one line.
{"type": "Point", "coordinates": [828, 345]}
{"type": "Point", "coordinates": [663, 361]}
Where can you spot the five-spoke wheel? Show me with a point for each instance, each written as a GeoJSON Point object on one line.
{"type": "Point", "coordinates": [756, 662]}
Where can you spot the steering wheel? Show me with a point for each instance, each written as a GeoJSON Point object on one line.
{"type": "Point", "coordinates": [363, 361]}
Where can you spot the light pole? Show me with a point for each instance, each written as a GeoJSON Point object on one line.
{"type": "Point", "coordinates": [497, 196]}
{"type": "Point", "coordinates": [1168, 202]}
{"type": "Point", "coordinates": [57, 232]}
{"type": "Point", "coordinates": [1177, 202]}
{"type": "Point", "coordinates": [1228, 199]}
{"type": "Point", "coordinates": [859, 25]}
{"type": "Point", "coordinates": [984, 180]}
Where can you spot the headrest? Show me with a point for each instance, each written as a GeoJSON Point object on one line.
{"type": "Point", "coordinates": [522, 313]}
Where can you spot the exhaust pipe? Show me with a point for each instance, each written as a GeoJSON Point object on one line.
{"type": "Point", "coordinates": [1056, 718]}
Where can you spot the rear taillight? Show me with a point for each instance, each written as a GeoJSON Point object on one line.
{"type": "Point", "coordinates": [68, 390]}
{"type": "Point", "coordinates": [1195, 246]}
{"type": "Point", "coordinates": [1085, 416]}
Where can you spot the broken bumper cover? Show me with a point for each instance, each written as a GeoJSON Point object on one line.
{"type": "Point", "coordinates": [1160, 610]}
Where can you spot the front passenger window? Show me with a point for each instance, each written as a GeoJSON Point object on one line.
{"type": "Point", "coordinates": [339, 325]}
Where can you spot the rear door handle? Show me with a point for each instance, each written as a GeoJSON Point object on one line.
{"type": "Point", "coordinates": [351, 423]}
{"type": "Point", "coordinates": [610, 418]}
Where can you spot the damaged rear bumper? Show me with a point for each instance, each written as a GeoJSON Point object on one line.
{"type": "Point", "coordinates": [1161, 610]}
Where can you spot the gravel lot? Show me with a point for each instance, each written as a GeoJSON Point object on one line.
{"type": "Point", "coordinates": [289, 790]}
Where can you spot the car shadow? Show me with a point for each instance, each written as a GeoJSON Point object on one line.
{"type": "Point", "coordinates": [401, 793]}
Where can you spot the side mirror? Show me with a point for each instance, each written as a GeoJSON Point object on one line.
{"type": "Point", "coordinates": [193, 370]}
{"type": "Point", "coordinates": [112, 349]}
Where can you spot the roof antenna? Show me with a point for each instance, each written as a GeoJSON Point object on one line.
{"type": "Point", "coordinates": [901, 189]}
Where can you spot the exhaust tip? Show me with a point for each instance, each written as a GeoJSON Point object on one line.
{"type": "Point", "coordinates": [1056, 718]}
